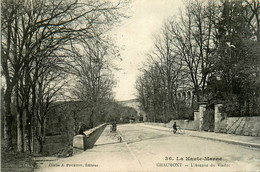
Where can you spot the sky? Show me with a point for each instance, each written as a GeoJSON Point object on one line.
{"type": "Point", "coordinates": [135, 37]}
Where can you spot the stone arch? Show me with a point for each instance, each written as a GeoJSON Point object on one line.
{"type": "Point", "coordinates": [188, 95]}
{"type": "Point", "coordinates": [184, 96]}
{"type": "Point", "coordinates": [179, 95]}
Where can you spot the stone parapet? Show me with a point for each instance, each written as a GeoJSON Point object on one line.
{"type": "Point", "coordinates": [87, 141]}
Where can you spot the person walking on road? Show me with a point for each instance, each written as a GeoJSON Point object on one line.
{"type": "Point", "coordinates": [174, 127]}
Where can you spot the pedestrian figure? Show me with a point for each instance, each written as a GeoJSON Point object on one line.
{"type": "Point", "coordinates": [113, 127]}
{"type": "Point", "coordinates": [174, 127]}
{"type": "Point", "coordinates": [119, 139]}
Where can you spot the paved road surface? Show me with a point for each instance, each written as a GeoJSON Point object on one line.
{"type": "Point", "coordinates": [152, 147]}
{"type": "Point", "coordinates": [146, 149]}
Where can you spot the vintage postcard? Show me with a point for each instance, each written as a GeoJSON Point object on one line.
{"type": "Point", "coordinates": [130, 85]}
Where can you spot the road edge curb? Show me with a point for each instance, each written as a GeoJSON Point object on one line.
{"type": "Point", "coordinates": [255, 145]}
{"type": "Point", "coordinates": [229, 141]}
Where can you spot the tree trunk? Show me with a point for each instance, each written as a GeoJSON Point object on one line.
{"type": "Point", "coordinates": [75, 126]}
{"type": "Point", "coordinates": [91, 118]}
{"type": "Point", "coordinates": [41, 147]}
{"type": "Point", "coordinates": [19, 133]}
{"type": "Point", "coordinates": [44, 130]}
{"type": "Point", "coordinates": [29, 133]}
{"type": "Point", "coordinates": [32, 138]}
{"type": "Point", "coordinates": [41, 137]}
{"type": "Point", "coordinates": [8, 119]}
{"type": "Point", "coordinates": [2, 122]}
{"type": "Point", "coordinates": [19, 118]}
{"type": "Point", "coordinates": [25, 137]}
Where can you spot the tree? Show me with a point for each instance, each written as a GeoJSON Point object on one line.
{"type": "Point", "coordinates": [34, 30]}
{"type": "Point", "coordinates": [164, 72]}
{"type": "Point", "coordinates": [93, 70]}
{"type": "Point", "coordinates": [170, 67]}
{"type": "Point", "coordinates": [237, 63]}
{"type": "Point", "coordinates": [194, 39]}
{"type": "Point", "coordinates": [212, 47]}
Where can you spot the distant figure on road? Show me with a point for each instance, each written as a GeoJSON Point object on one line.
{"type": "Point", "coordinates": [113, 127]}
{"type": "Point", "coordinates": [174, 127]}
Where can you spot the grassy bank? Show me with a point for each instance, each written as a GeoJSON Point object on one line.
{"type": "Point", "coordinates": [17, 162]}
{"type": "Point", "coordinates": [55, 146]}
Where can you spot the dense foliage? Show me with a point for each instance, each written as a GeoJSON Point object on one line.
{"type": "Point", "coordinates": [70, 117]}
{"type": "Point", "coordinates": [212, 49]}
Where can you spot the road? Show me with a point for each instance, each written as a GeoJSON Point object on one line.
{"type": "Point", "coordinates": [153, 147]}
{"type": "Point", "coordinates": [146, 149]}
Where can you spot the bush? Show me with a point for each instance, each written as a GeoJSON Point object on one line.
{"type": "Point", "coordinates": [65, 152]}
{"type": "Point", "coordinates": [53, 133]}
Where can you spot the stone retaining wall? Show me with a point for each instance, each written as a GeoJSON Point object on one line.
{"type": "Point", "coordinates": [248, 126]}
{"type": "Point", "coordinates": [87, 141]}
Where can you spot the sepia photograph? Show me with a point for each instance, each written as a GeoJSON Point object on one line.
{"type": "Point", "coordinates": [130, 86]}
